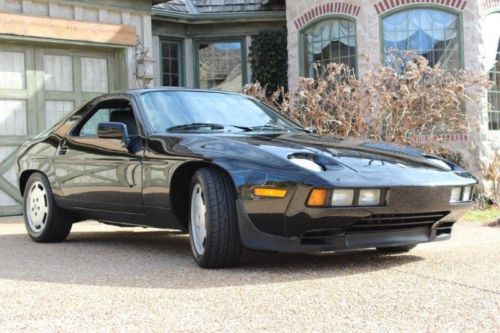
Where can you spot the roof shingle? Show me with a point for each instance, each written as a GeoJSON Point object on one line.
{"type": "Point", "coordinates": [221, 6]}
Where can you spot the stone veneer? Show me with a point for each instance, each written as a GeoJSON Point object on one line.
{"type": "Point", "coordinates": [482, 142]}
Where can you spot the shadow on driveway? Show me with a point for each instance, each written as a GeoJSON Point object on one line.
{"type": "Point", "coordinates": [162, 259]}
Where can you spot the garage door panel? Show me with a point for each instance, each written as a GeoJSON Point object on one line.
{"type": "Point", "coordinates": [55, 110]}
{"type": "Point", "coordinates": [38, 86]}
{"type": "Point", "coordinates": [7, 171]}
{"type": "Point", "coordinates": [58, 72]}
{"type": "Point", "coordinates": [94, 75]}
{"type": "Point", "coordinates": [9, 194]}
{"type": "Point", "coordinates": [13, 117]}
{"type": "Point", "coordinates": [7, 200]}
{"type": "Point", "coordinates": [12, 70]}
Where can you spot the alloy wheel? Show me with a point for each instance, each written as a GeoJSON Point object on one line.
{"type": "Point", "coordinates": [198, 219]}
{"type": "Point", "coordinates": [37, 207]}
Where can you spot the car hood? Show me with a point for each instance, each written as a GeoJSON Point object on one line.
{"type": "Point", "coordinates": [359, 161]}
{"type": "Point", "coordinates": [357, 154]}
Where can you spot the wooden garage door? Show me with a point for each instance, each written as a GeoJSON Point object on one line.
{"type": "Point", "coordinates": [37, 87]}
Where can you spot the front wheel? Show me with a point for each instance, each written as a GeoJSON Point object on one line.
{"type": "Point", "coordinates": [213, 226]}
{"type": "Point", "coordinates": [45, 221]}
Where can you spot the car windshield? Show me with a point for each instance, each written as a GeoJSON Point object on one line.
{"type": "Point", "coordinates": [208, 111]}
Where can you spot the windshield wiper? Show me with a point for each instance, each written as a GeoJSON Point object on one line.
{"type": "Point", "coordinates": [270, 127]}
{"type": "Point", "coordinates": [212, 126]}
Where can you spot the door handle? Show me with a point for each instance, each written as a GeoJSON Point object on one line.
{"type": "Point", "coordinates": [63, 148]}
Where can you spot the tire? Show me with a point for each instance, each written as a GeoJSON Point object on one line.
{"type": "Point", "coordinates": [213, 206]}
{"type": "Point", "coordinates": [45, 221]}
{"type": "Point", "coordinates": [396, 249]}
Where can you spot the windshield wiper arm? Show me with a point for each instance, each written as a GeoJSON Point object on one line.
{"type": "Point", "coordinates": [187, 127]}
{"type": "Point", "coordinates": [269, 127]}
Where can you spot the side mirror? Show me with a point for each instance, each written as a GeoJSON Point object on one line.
{"type": "Point", "coordinates": [311, 130]}
{"type": "Point", "coordinates": [113, 130]}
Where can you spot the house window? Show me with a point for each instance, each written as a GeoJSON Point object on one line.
{"type": "Point", "coordinates": [171, 54]}
{"type": "Point", "coordinates": [221, 65]}
{"type": "Point", "coordinates": [494, 95]}
{"type": "Point", "coordinates": [432, 33]}
{"type": "Point", "coordinates": [331, 40]}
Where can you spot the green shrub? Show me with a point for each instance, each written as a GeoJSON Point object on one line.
{"type": "Point", "coordinates": [269, 59]}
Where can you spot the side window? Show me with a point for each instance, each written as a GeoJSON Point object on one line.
{"type": "Point", "coordinates": [109, 111]}
{"type": "Point", "coordinates": [89, 128]}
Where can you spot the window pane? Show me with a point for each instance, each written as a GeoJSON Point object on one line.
{"type": "Point", "coordinates": [90, 127]}
{"type": "Point", "coordinates": [494, 95]}
{"type": "Point", "coordinates": [329, 41]}
{"type": "Point", "coordinates": [171, 58]}
{"type": "Point", "coordinates": [110, 111]}
{"type": "Point", "coordinates": [429, 32]}
{"type": "Point", "coordinates": [220, 66]}
{"type": "Point", "coordinates": [166, 109]}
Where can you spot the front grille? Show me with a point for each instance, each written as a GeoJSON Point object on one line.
{"type": "Point", "coordinates": [397, 221]}
{"type": "Point", "coordinates": [319, 237]}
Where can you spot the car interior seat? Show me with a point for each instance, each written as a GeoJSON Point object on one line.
{"type": "Point", "coordinates": [125, 116]}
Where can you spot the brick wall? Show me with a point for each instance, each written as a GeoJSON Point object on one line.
{"type": "Point", "coordinates": [477, 146]}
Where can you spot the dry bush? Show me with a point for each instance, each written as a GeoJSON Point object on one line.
{"type": "Point", "coordinates": [408, 102]}
{"type": "Point", "coordinates": [492, 174]}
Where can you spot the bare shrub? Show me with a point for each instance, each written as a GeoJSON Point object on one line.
{"type": "Point", "coordinates": [408, 102]}
{"type": "Point", "coordinates": [492, 174]}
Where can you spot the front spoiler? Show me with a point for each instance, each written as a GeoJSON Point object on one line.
{"type": "Point", "coordinates": [254, 239]}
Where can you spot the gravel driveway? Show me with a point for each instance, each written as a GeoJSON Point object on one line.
{"type": "Point", "coordinates": [107, 279]}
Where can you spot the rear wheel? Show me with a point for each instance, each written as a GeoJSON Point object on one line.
{"type": "Point", "coordinates": [45, 221]}
{"type": "Point", "coordinates": [213, 226]}
{"type": "Point", "coordinates": [396, 249]}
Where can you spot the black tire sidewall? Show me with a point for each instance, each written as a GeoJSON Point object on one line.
{"type": "Point", "coordinates": [223, 244]}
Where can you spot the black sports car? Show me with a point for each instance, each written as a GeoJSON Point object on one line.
{"type": "Point", "coordinates": [235, 174]}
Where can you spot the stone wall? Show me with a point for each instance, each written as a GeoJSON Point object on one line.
{"type": "Point", "coordinates": [113, 12]}
{"type": "Point", "coordinates": [477, 148]}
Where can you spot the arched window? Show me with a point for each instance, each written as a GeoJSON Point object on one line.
{"type": "Point", "coordinates": [432, 33]}
{"type": "Point", "coordinates": [330, 40]}
{"type": "Point", "coordinates": [494, 95]}
{"type": "Point", "coordinates": [491, 28]}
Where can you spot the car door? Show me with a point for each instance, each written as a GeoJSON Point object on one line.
{"type": "Point", "coordinates": [102, 173]}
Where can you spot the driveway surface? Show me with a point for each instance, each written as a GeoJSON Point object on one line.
{"type": "Point", "coordinates": [110, 279]}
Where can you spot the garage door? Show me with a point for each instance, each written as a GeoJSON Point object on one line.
{"type": "Point", "coordinates": [37, 87]}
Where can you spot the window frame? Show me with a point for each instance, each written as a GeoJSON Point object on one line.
{"type": "Point", "coordinates": [492, 111]}
{"type": "Point", "coordinates": [93, 106]}
{"type": "Point", "coordinates": [181, 56]}
{"type": "Point", "coordinates": [196, 56]}
{"type": "Point", "coordinates": [460, 27]}
{"type": "Point", "coordinates": [302, 42]}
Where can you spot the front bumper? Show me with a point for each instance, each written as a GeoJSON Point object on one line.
{"type": "Point", "coordinates": [412, 216]}
{"type": "Point", "coordinates": [254, 239]}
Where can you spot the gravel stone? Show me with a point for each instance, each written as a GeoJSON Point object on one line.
{"type": "Point", "coordinates": [107, 279]}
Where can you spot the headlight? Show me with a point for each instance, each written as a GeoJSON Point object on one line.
{"type": "Point", "coordinates": [369, 197]}
{"type": "Point", "coordinates": [346, 197]}
{"type": "Point", "coordinates": [341, 197]}
{"type": "Point", "coordinates": [467, 193]}
{"type": "Point", "coordinates": [307, 164]}
{"type": "Point", "coordinates": [456, 195]}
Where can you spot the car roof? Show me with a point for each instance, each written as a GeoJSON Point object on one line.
{"type": "Point", "coordinates": [159, 89]}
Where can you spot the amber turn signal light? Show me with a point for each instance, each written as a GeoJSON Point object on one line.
{"type": "Point", "coordinates": [269, 192]}
{"type": "Point", "coordinates": [317, 198]}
